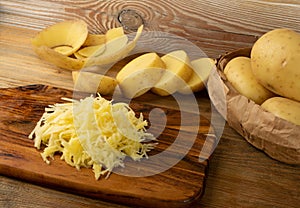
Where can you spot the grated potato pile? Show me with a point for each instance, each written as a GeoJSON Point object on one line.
{"type": "Point", "coordinates": [92, 133]}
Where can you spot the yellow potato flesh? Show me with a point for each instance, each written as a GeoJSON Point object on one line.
{"type": "Point", "coordinates": [94, 39]}
{"type": "Point", "coordinates": [284, 108]}
{"type": "Point", "coordinates": [115, 45]}
{"type": "Point", "coordinates": [72, 33]}
{"type": "Point", "coordinates": [63, 49]}
{"type": "Point", "coordinates": [59, 59]}
{"type": "Point", "coordinates": [177, 72]}
{"type": "Point", "coordinates": [112, 41]}
{"type": "Point", "coordinates": [115, 53]}
{"type": "Point", "coordinates": [108, 53]}
{"type": "Point", "coordinates": [275, 60]}
{"type": "Point", "coordinates": [92, 82]}
{"type": "Point", "coordinates": [53, 47]}
{"type": "Point", "coordinates": [114, 33]}
{"type": "Point", "coordinates": [239, 73]}
{"type": "Point", "coordinates": [201, 71]}
{"type": "Point", "coordinates": [140, 74]}
{"type": "Point", "coordinates": [78, 56]}
{"type": "Point", "coordinates": [91, 51]}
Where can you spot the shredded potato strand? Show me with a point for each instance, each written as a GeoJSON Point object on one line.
{"type": "Point", "coordinates": [92, 133]}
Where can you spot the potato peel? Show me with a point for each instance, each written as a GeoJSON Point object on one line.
{"type": "Point", "coordinates": [94, 39]}
{"type": "Point", "coordinates": [112, 41]}
{"type": "Point", "coordinates": [59, 59]}
{"type": "Point", "coordinates": [122, 52]}
{"type": "Point", "coordinates": [58, 42]}
{"type": "Point", "coordinates": [114, 33]}
{"type": "Point", "coordinates": [86, 52]}
{"type": "Point", "coordinates": [68, 36]}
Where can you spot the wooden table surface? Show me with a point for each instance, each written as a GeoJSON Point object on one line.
{"type": "Point", "coordinates": [239, 175]}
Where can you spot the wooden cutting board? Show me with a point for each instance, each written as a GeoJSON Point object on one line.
{"type": "Point", "coordinates": [179, 186]}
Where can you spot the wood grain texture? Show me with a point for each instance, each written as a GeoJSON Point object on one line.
{"type": "Point", "coordinates": [177, 186]}
{"type": "Point", "coordinates": [215, 26]}
{"type": "Point", "coordinates": [239, 175]}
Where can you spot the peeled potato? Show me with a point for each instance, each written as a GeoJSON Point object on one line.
{"type": "Point", "coordinates": [177, 70]}
{"type": "Point", "coordinates": [275, 60]}
{"type": "Point", "coordinates": [65, 37]}
{"type": "Point", "coordinates": [140, 74]}
{"type": "Point", "coordinates": [239, 73]}
{"type": "Point", "coordinates": [284, 108]}
{"type": "Point", "coordinates": [92, 82]}
{"type": "Point", "coordinates": [201, 70]}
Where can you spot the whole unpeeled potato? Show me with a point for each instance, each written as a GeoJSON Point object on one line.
{"type": "Point", "coordinates": [284, 108]}
{"type": "Point", "coordinates": [275, 61]}
{"type": "Point", "coordinates": [238, 72]}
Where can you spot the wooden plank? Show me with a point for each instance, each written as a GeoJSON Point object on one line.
{"type": "Point", "coordinates": [239, 175]}
{"type": "Point", "coordinates": [204, 24]}
{"type": "Point", "coordinates": [179, 185]}
{"type": "Point", "coordinates": [215, 26]}
{"type": "Point", "coordinates": [21, 66]}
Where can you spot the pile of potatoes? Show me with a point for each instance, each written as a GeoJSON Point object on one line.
{"type": "Point", "coordinates": [271, 75]}
{"type": "Point", "coordinates": [69, 45]}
